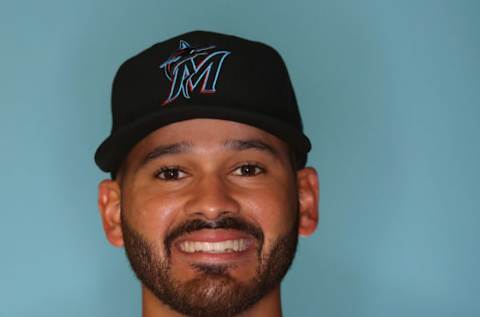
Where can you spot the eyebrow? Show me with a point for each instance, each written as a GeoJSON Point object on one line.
{"type": "Point", "coordinates": [185, 147]}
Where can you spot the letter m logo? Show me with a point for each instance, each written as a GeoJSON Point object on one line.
{"type": "Point", "coordinates": [193, 69]}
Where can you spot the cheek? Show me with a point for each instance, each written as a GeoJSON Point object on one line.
{"type": "Point", "coordinates": [274, 208]}
{"type": "Point", "coordinates": [150, 213]}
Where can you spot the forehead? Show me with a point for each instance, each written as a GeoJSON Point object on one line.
{"type": "Point", "coordinates": [204, 134]}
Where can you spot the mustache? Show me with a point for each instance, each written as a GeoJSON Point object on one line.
{"type": "Point", "coordinates": [227, 222]}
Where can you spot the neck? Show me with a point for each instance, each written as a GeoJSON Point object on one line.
{"type": "Point", "coordinates": [268, 306]}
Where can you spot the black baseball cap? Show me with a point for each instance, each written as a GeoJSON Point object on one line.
{"type": "Point", "coordinates": [201, 75]}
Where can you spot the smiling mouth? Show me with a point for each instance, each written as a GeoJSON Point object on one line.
{"type": "Point", "coordinates": [227, 246]}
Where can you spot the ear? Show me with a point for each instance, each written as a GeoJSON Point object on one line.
{"type": "Point", "coordinates": [308, 196]}
{"type": "Point", "coordinates": [109, 206]}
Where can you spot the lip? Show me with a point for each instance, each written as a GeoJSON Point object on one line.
{"type": "Point", "coordinates": [216, 235]}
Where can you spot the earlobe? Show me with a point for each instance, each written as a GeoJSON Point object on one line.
{"type": "Point", "coordinates": [308, 197]}
{"type": "Point", "coordinates": [109, 206]}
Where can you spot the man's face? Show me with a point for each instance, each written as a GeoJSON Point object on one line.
{"type": "Point", "coordinates": [209, 215]}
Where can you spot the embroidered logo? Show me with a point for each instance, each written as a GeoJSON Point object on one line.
{"type": "Point", "coordinates": [190, 69]}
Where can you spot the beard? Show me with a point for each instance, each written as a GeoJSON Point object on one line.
{"type": "Point", "coordinates": [213, 292]}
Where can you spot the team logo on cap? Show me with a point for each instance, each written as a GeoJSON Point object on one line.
{"type": "Point", "coordinates": [192, 69]}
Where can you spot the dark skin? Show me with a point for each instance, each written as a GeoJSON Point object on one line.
{"type": "Point", "coordinates": [206, 169]}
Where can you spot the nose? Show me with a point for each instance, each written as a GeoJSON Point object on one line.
{"type": "Point", "coordinates": [211, 198]}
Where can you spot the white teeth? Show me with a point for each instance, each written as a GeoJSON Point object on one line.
{"type": "Point", "coordinates": [214, 247]}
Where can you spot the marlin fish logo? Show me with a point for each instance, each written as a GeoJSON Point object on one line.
{"type": "Point", "coordinates": [189, 68]}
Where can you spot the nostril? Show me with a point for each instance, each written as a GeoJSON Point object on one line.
{"type": "Point", "coordinates": [219, 214]}
{"type": "Point", "coordinates": [212, 214]}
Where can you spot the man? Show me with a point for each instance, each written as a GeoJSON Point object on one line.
{"type": "Point", "coordinates": [209, 188]}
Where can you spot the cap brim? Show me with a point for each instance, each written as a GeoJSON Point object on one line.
{"type": "Point", "coordinates": [111, 153]}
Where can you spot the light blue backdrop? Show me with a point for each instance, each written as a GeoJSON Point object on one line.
{"type": "Point", "coordinates": [390, 94]}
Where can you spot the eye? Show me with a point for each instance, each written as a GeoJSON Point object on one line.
{"type": "Point", "coordinates": [170, 174]}
{"type": "Point", "coordinates": [248, 170]}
